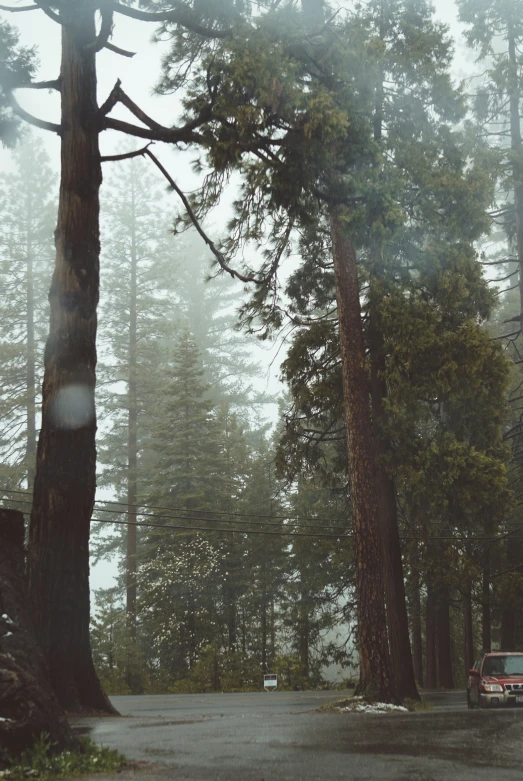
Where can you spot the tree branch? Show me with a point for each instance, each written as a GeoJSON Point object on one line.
{"type": "Point", "coordinates": [125, 155]}
{"type": "Point", "coordinates": [117, 50]}
{"type": "Point", "coordinates": [500, 292]}
{"type": "Point", "coordinates": [21, 8]}
{"type": "Point", "coordinates": [111, 101]}
{"type": "Point", "coordinates": [103, 36]}
{"type": "Point", "coordinates": [53, 84]}
{"type": "Point", "coordinates": [169, 135]}
{"type": "Point", "coordinates": [503, 279]}
{"type": "Point", "coordinates": [51, 14]}
{"type": "Point", "coordinates": [126, 101]}
{"type": "Point", "coordinates": [181, 16]}
{"type": "Point", "coordinates": [215, 251]}
{"type": "Point", "coordinates": [30, 119]}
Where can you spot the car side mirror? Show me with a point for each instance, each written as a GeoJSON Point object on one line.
{"type": "Point", "coordinates": [474, 673]}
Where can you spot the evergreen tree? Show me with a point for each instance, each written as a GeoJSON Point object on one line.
{"type": "Point", "coordinates": [17, 64]}
{"type": "Point", "coordinates": [362, 163]}
{"type": "Point", "coordinates": [65, 478]}
{"type": "Point", "coordinates": [184, 477]}
{"type": "Point", "coordinates": [494, 30]}
{"type": "Point", "coordinates": [28, 212]}
{"type": "Point", "coordinates": [208, 308]}
{"type": "Point", "coordinates": [137, 252]}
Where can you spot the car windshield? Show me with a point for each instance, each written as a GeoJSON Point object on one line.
{"type": "Point", "coordinates": [503, 665]}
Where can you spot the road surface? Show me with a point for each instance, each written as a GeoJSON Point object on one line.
{"type": "Point", "coordinates": [281, 736]}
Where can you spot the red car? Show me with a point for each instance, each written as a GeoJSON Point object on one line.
{"type": "Point", "coordinates": [496, 680]}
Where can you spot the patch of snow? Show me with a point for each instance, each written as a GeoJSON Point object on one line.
{"type": "Point", "coordinates": [2, 718]}
{"type": "Point", "coordinates": [7, 620]}
{"type": "Point", "coordinates": [7, 634]}
{"type": "Point", "coordinates": [375, 707]}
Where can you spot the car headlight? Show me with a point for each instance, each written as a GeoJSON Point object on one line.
{"type": "Point", "coordinates": [492, 687]}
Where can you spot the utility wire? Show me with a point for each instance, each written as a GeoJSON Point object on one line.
{"type": "Point", "coordinates": [184, 509]}
{"type": "Point", "coordinates": [148, 524]}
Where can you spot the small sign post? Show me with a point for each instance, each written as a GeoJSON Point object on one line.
{"type": "Point", "coordinates": [270, 682]}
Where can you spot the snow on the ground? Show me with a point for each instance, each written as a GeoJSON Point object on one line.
{"type": "Point", "coordinates": [359, 706]}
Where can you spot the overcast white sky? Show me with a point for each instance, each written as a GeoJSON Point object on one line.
{"type": "Point", "coordinates": [138, 77]}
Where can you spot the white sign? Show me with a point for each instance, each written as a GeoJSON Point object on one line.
{"type": "Point", "coordinates": [270, 682]}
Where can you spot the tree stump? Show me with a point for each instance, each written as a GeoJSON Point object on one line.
{"type": "Point", "coordinates": [28, 706]}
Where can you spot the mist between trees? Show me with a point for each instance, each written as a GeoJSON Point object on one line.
{"type": "Point", "coordinates": [390, 201]}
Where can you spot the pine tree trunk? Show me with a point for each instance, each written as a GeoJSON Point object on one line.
{"type": "Point", "coordinates": [304, 630]}
{"type": "Point", "coordinates": [444, 640]}
{"type": "Point", "coordinates": [397, 617]}
{"type": "Point", "coordinates": [273, 636]}
{"type": "Point", "coordinates": [27, 702]}
{"type": "Point", "coordinates": [374, 657]}
{"type": "Point", "coordinates": [132, 456]}
{"type": "Point", "coordinates": [231, 619]}
{"type": "Point", "coordinates": [415, 618]}
{"type": "Point", "coordinates": [516, 144]}
{"type": "Point", "coordinates": [31, 356]}
{"type": "Point", "coordinates": [65, 478]}
{"type": "Point", "coordinates": [508, 629]}
{"type": "Point", "coordinates": [264, 634]}
{"type": "Point", "coordinates": [468, 634]}
{"type": "Point", "coordinates": [486, 636]}
{"type": "Point", "coordinates": [431, 678]}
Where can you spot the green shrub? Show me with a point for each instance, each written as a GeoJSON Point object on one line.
{"type": "Point", "coordinates": [39, 762]}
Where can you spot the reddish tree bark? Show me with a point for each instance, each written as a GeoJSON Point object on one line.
{"type": "Point", "coordinates": [415, 620]}
{"type": "Point", "coordinates": [508, 629]}
{"type": "Point", "coordinates": [431, 677]}
{"type": "Point", "coordinates": [444, 640]}
{"type": "Point", "coordinates": [375, 665]}
{"type": "Point", "coordinates": [486, 636]}
{"type": "Point", "coordinates": [397, 617]}
{"type": "Point", "coordinates": [65, 478]}
{"type": "Point", "coordinates": [468, 636]}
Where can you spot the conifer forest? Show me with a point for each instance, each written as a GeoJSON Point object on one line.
{"type": "Point", "coordinates": [260, 350]}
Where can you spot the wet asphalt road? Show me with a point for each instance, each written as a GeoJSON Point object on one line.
{"type": "Point", "coordinates": [282, 737]}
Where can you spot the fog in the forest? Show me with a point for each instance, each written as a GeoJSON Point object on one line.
{"type": "Point", "coordinates": [222, 540]}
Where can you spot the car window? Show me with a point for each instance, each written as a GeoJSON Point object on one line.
{"type": "Point", "coordinates": [503, 665]}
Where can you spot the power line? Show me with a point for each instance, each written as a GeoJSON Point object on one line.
{"type": "Point", "coordinates": [291, 519]}
{"type": "Point", "coordinates": [184, 509]}
{"type": "Point", "coordinates": [148, 524]}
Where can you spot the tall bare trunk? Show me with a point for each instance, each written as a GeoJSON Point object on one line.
{"type": "Point", "coordinates": [273, 636]}
{"type": "Point", "coordinates": [486, 636]}
{"type": "Point", "coordinates": [468, 635]}
{"type": "Point", "coordinates": [304, 632]}
{"type": "Point", "coordinates": [374, 657]}
{"type": "Point", "coordinates": [397, 618]}
{"type": "Point", "coordinates": [431, 677]}
{"type": "Point", "coordinates": [508, 629]}
{"type": "Point", "coordinates": [31, 356]}
{"type": "Point", "coordinates": [264, 634]}
{"type": "Point", "coordinates": [444, 640]}
{"type": "Point", "coordinates": [65, 478]}
{"type": "Point", "coordinates": [516, 144]}
{"type": "Point", "coordinates": [132, 453]}
{"type": "Point", "coordinates": [415, 620]}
